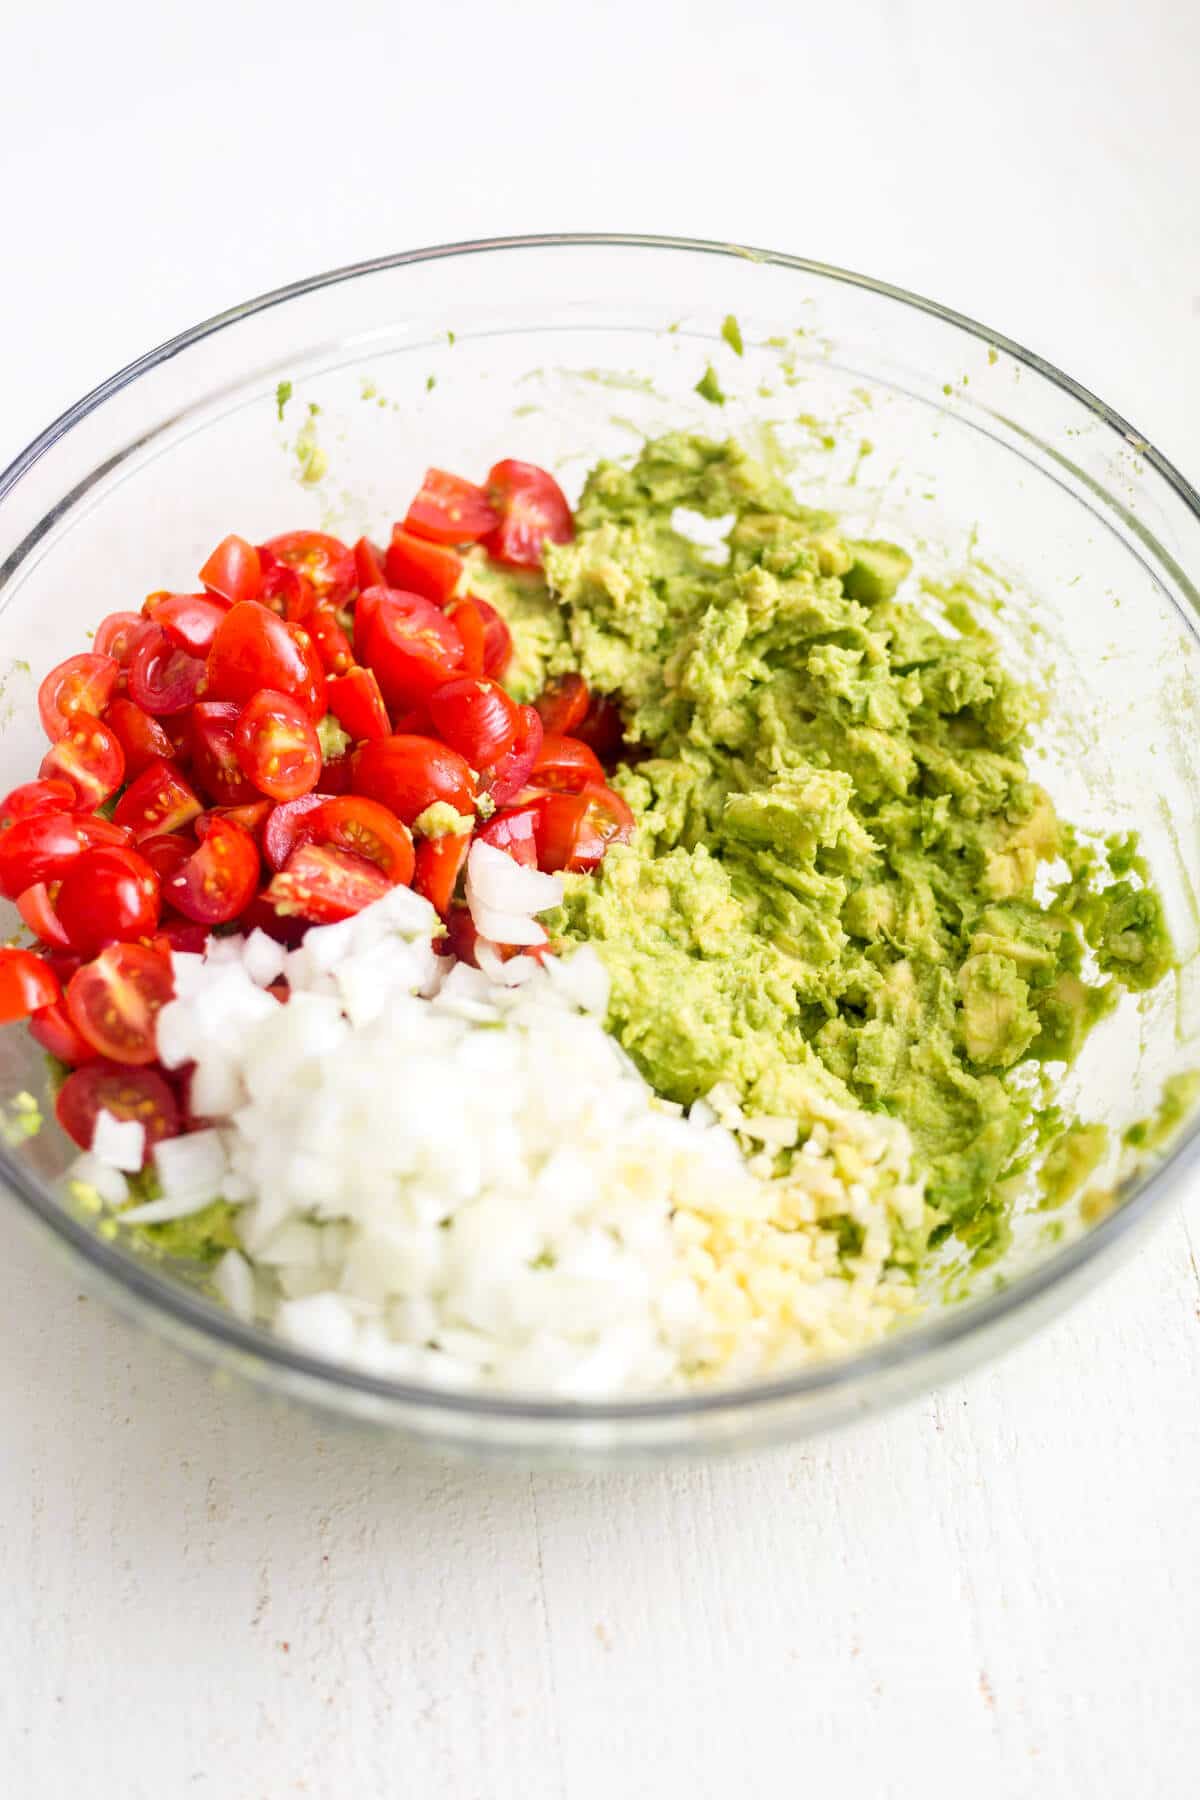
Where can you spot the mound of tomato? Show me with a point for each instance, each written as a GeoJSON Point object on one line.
{"type": "Point", "coordinates": [187, 787]}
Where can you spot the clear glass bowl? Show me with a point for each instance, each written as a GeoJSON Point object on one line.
{"type": "Point", "coordinates": [913, 422]}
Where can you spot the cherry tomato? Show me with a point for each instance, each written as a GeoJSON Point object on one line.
{"type": "Point", "coordinates": [357, 704]}
{"type": "Point", "coordinates": [159, 800]}
{"type": "Point", "coordinates": [220, 877]}
{"type": "Point", "coordinates": [166, 852]}
{"type": "Point", "coordinates": [412, 647]}
{"type": "Point", "coordinates": [233, 570]}
{"type": "Point", "coordinates": [562, 704]}
{"type": "Point", "coordinates": [533, 511]}
{"type": "Point", "coordinates": [365, 828]}
{"type": "Point", "coordinates": [251, 816]}
{"type": "Point", "coordinates": [333, 646]}
{"type": "Point", "coordinates": [369, 566]}
{"type": "Point", "coordinates": [409, 773]}
{"type": "Point", "coordinates": [277, 746]}
{"type": "Point", "coordinates": [476, 718]}
{"type": "Point", "coordinates": [565, 765]}
{"type": "Point", "coordinates": [115, 999]}
{"type": "Point", "coordinates": [162, 678]}
{"type": "Point", "coordinates": [512, 770]}
{"type": "Point", "coordinates": [449, 510]}
{"type": "Point", "coordinates": [54, 1029]}
{"type": "Point", "coordinates": [461, 935]}
{"type": "Point", "coordinates": [601, 729]}
{"type": "Point", "coordinates": [468, 622]}
{"type": "Point", "coordinates": [34, 797]}
{"type": "Point", "coordinates": [117, 634]}
{"type": "Point", "coordinates": [215, 765]}
{"type": "Point", "coordinates": [439, 863]}
{"type": "Point", "coordinates": [190, 621]}
{"type": "Point", "coordinates": [141, 738]}
{"type": "Point", "coordinates": [82, 684]}
{"type": "Point", "coordinates": [365, 608]}
{"type": "Point", "coordinates": [419, 567]}
{"type": "Point", "coordinates": [284, 589]}
{"type": "Point", "coordinates": [325, 563]}
{"type": "Point", "coordinates": [181, 934]}
{"type": "Point", "coordinates": [335, 776]}
{"type": "Point", "coordinates": [37, 909]}
{"type": "Point", "coordinates": [90, 757]}
{"type": "Point", "coordinates": [26, 985]}
{"type": "Point", "coordinates": [253, 649]}
{"type": "Point", "coordinates": [322, 884]}
{"type": "Point", "coordinates": [102, 1086]}
{"type": "Point", "coordinates": [287, 929]}
{"type": "Point", "coordinates": [107, 896]}
{"type": "Point", "coordinates": [284, 828]}
{"type": "Point", "coordinates": [42, 847]}
{"type": "Point", "coordinates": [515, 831]}
{"type": "Point", "coordinates": [574, 830]}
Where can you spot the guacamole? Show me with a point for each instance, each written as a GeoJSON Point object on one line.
{"type": "Point", "coordinates": [842, 872]}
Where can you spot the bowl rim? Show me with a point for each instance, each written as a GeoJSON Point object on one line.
{"type": "Point", "coordinates": [201, 1319]}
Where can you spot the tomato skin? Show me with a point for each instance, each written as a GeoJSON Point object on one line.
{"type": "Point", "coordinates": [357, 704]}
{"type": "Point", "coordinates": [82, 684]}
{"type": "Point", "coordinates": [216, 769]}
{"type": "Point", "coordinates": [369, 565]}
{"type": "Point", "coordinates": [141, 737]}
{"type": "Point", "coordinates": [533, 511]}
{"type": "Point", "coordinates": [497, 639]}
{"type": "Point", "coordinates": [602, 729]}
{"type": "Point", "coordinates": [26, 985]}
{"type": "Point", "coordinates": [90, 757]}
{"type": "Point", "coordinates": [468, 622]}
{"type": "Point", "coordinates": [461, 936]}
{"type": "Point", "coordinates": [515, 832]}
{"type": "Point", "coordinates": [254, 649]}
{"type": "Point", "coordinates": [575, 830]}
{"type": "Point", "coordinates": [284, 829]}
{"type": "Point", "coordinates": [33, 797]}
{"type": "Point", "coordinates": [54, 1029]}
{"type": "Point", "coordinates": [105, 1086]}
{"type": "Point", "coordinates": [37, 909]}
{"type": "Point", "coordinates": [107, 895]}
{"type": "Point", "coordinates": [439, 863]}
{"type": "Point", "coordinates": [220, 877]}
{"type": "Point", "coordinates": [181, 934]}
{"type": "Point", "coordinates": [449, 510]}
{"type": "Point", "coordinates": [190, 621]}
{"type": "Point", "coordinates": [325, 563]}
{"type": "Point", "coordinates": [160, 800]}
{"type": "Point", "coordinates": [323, 884]}
{"type": "Point", "coordinates": [566, 766]}
{"type": "Point", "coordinates": [284, 589]}
{"type": "Point", "coordinates": [412, 647]}
{"type": "Point", "coordinates": [233, 570]}
{"type": "Point", "coordinates": [512, 770]}
{"type": "Point", "coordinates": [166, 852]}
{"type": "Point", "coordinates": [419, 567]}
{"type": "Point", "coordinates": [367, 830]}
{"type": "Point", "coordinates": [332, 645]}
{"type": "Point", "coordinates": [252, 815]}
{"type": "Point", "coordinates": [163, 680]}
{"type": "Point", "coordinates": [115, 999]}
{"type": "Point", "coordinates": [476, 718]}
{"type": "Point", "coordinates": [562, 704]}
{"type": "Point", "coordinates": [41, 847]}
{"type": "Point", "coordinates": [117, 634]}
{"type": "Point", "coordinates": [407, 773]}
{"type": "Point", "coordinates": [277, 746]}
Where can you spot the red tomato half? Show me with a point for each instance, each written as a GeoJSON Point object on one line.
{"type": "Point", "coordinates": [163, 679]}
{"type": "Point", "coordinates": [366, 829]}
{"type": "Point", "coordinates": [562, 704]}
{"type": "Point", "coordinates": [117, 634]}
{"type": "Point", "coordinates": [449, 510]}
{"type": "Point", "coordinates": [325, 563]}
{"type": "Point", "coordinates": [26, 985]}
{"type": "Point", "coordinates": [220, 877]}
{"type": "Point", "coordinates": [166, 852]}
{"type": "Point", "coordinates": [190, 621]}
{"type": "Point", "coordinates": [90, 757]}
{"type": "Point", "coordinates": [408, 773]}
{"type": "Point", "coordinates": [285, 590]}
{"type": "Point", "coordinates": [251, 816]}
{"type": "Point", "coordinates": [102, 1086]}
{"type": "Point", "coordinates": [107, 895]}
{"type": "Point", "coordinates": [323, 884]}
{"type": "Point", "coordinates": [42, 847]}
{"type": "Point", "coordinates": [476, 718]}
{"type": "Point", "coordinates": [565, 765]}
{"type": "Point", "coordinates": [533, 511]}
{"type": "Point", "coordinates": [497, 639]}
{"type": "Point", "coordinates": [601, 729]}
{"type": "Point", "coordinates": [369, 566]}
{"type": "Point", "coordinates": [357, 704]}
{"type": "Point", "coordinates": [513, 769]}
{"type": "Point", "coordinates": [233, 570]}
{"type": "Point", "coordinates": [82, 684]}
{"type": "Point", "coordinates": [468, 622]}
{"type": "Point", "coordinates": [515, 832]}
{"type": "Point", "coordinates": [333, 646]}
{"type": "Point", "coordinates": [37, 909]}
{"type": "Point", "coordinates": [284, 828]}
{"type": "Point", "coordinates": [215, 765]}
{"type": "Point", "coordinates": [277, 746]}
{"type": "Point", "coordinates": [419, 567]}
{"type": "Point", "coordinates": [141, 738]}
{"type": "Point", "coordinates": [254, 649]}
{"type": "Point", "coordinates": [115, 999]}
{"type": "Point", "coordinates": [439, 863]}
{"type": "Point", "coordinates": [54, 1029]}
{"type": "Point", "coordinates": [159, 800]}
{"type": "Point", "coordinates": [34, 797]}
{"type": "Point", "coordinates": [412, 647]}
{"type": "Point", "coordinates": [574, 830]}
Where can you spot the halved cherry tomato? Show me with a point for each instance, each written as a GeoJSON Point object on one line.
{"type": "Point", "coordinates": [141, 738]}
{"type": "Point", "coordinates": [90, 757]}
{"type": "Point", "coordinates": [117, 634]}
{"type": "Point", "coordinates": [601, 729]}
{"type": "Point", "coordinates": [251, 816]}
{"type": "Point", "coordinates": [26, 985]}
{"type": "Point", "coordinates": [365, 828]}
{"type": "Point", "coordinates": [468, 622]}
{"type": "Point", "coordinates": [34, 797]}
{"type": "Point", "coordinates": [412, 647]}
{"type": "Point", "coordinates": [37, 909]}
{"type": "Point", "coordinates": [103, 1086]}
{"type": "Point", "coordinates": [54, 1029]}
{"type": "Point", "coordinates": [532, 511]}
{"type": "Point", "coordinates": [254, 649]}
{"type": "Point", "coordinates": [325, 563]}
{"type": "Point", "coordinates": [512, 770]}
{"type": "Point", "coordinates": [115, 999]}
{"type": "Point", "coordinates": [233, 570]}
{"type": "Point", "coordinates": [287, 929]}
{"type": "Point", "coordinates": [461, 935]}
{"type": "Point", "coordinates": [439, 863]}
{"type": "Point", "coordinates": [277, 746]}
{"type": "Point", "coordinates": [42, 847]}
{"type": "Point", "coordinates": [333, 646]}
{"type": "Point", "coordinates": [181, 934]}
{"type": "Point", "coordinates": [162, 678]}
{"type": "Point", "coordinates": [449, 510]}
{"type": "Point", "coordinates": [284, 828]}
{"type": "Point", "coordinates": [107, 895]}
{"type": "Point", "coordinates": [497, 639]}
{"type": "Point", "coordinates": [284, 589]}
{"type": "Point", "coordinates": [159, 800]}
{"type": "Point", "coordinates": [357, 704]}
{"type": "Point", "coordinates": [166, 853]}
{"type": "Point", "coordinates": [82, 684]}
{"type": "Point", "coordinates": [369, 566]}
{"type": "Point", "coordinates": [336, 775]}
{"type": "Point", "coordinates": [409, 773]}
{"type": "Point", "coordinates": [476, 718]}
{"type": "Point", "coordinates": [562, 704]}
{"type": "Point", "coordinates": [565, 765]}
{"type": "Point", "coordinates": [190, 620]}
{"type": "Point", "coordinates": [515, 831]}
{"type": "Point", "coordinates": [215, 765]}
{"type": "Point", "coordinates": [574, 830]}
{"type": "Point", "coordinates": [220, 877]}
{"type": "Point", "coordinates": [323, 884]}
{"type": "Point", "coordinates": [364, 612]}
{"type": "Point", "coordinates": [419, 567]}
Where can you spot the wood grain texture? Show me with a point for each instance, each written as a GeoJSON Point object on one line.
{"type": "Point", "coordinates": [203, 1594]}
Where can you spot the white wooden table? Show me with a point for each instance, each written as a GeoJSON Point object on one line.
{"type": "Point", "coordinates": [994, 1591]}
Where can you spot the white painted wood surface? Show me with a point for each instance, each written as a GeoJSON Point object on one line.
{"type": "Point", "coordinates": [995, 1591]}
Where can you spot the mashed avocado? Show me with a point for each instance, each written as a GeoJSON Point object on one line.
{"type": "Point", "coordinates": [842, 869]}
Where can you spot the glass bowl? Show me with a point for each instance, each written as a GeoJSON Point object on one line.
{"type": "Point", "coordinates": [911, 421]}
